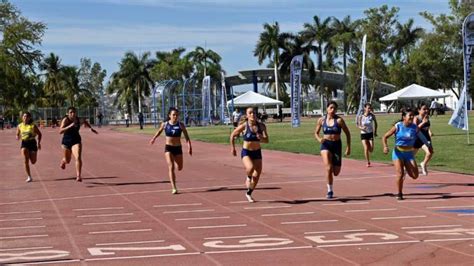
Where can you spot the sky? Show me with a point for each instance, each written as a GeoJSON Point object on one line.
{"type": "Point", "coordinates": [103, 30]}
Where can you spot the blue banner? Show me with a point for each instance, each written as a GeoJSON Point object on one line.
{"type": "Point", "coordinates": [295, 82]}
{"type": "Point", "coordinates": [206, 101]}
{"type": "Point", "coordinates": [459, 119]}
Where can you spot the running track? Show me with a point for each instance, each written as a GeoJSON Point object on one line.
{"type": "Point", "coordinates": [124, 212]}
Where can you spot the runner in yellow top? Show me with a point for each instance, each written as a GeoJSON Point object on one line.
{"type": "Point", "coordinates": [27, 131]}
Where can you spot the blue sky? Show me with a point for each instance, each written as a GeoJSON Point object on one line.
{"type": "Point", "coordinates": [104, 30]}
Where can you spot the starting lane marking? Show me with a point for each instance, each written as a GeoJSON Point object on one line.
{"type": "Point", "coordinates": [246, 201]}
{"type": "Point", "coordinates": [426, 200]}
{"type": "Point", "coordinates": [217, 226]}
{"type": "Point", "coordinates": [339, 231]}
{"type": "Point", "coordinates": [251, 243]}
{"type": "Point", "coordinates": [371, 210]}
{"type": "Point", "coordinates": [310, 222]}
{"type": "Point", "coordinates": [99, 209]}
{"type": "Point", "coordinates": [445, 232]}
{"type": "Point", "coordinates": [21, 219]}
{"type": "Point", "coordinates": [285, 214]}
{"type": "Point", "coordinates": [23, 227]}
{"type": "Point", "coordinates": [452, 239]}
{"type": "Point", "coordinates": [354, 237]}
{"type": "Point", "coordinates": [231, 237]}
{"type": "Point", "coordinates": [466, 214]}
{"type": "Point", "coordinates": [51, 262]}
{"type": "Point", "coordinates": [352, 203]}
{"type": "Point", "coordinates": [398, 217]}
{"type": "Point", "coordinates": [21, 237]}
{"type": "Point", "coordinates": [256, 250]}
{"type": "Point", "coordinates": [119, 231]}
{"type": "Point", "coordinates": [26, 212]}
{"type": "Point", "coordinates": [202, 218]}
{"type": "Point", "coordinates": [177, 205]}
{"type": "Point", "coordinates": [122, 222]}
{"type": "Point", "coordinates": [105, 215]}
{"type": "Point", "coordinates": [189, 211]}
{"type": "Point", "coordinates": [449, 207]}
{"type": "Point", "coordinates": [33, 255]}
{"type": "Point", "coordinates": [431, 226]}
{"type": "Point", "coordinates": [145, 256]}
{"type": "Point", "coordinates": [130, 243]}
{"type": "Point", "coordinates": [110, 250]}
{"type": "Point", "coordinates": [29, 248]}
{"type": "Point", "coordinates": [266, 207]}
{"type": "Point", "coordinates": [369, 244]}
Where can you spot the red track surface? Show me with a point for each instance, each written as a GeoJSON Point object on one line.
{"type": "Point", "coordinates": [124, 212]}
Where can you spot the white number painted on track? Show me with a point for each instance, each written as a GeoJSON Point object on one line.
{"type": "Point", "coordinates": [356, 237]}
{"type": "Point", "coordinates": [103, 250]}
{"type": "Point", "coordinates": [250, 243]}
{"type": "Point", "coordinates": [446, 232]}
{"type": "Point", "coordinates": [33, 255]}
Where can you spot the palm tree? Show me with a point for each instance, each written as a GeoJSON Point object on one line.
{"type": "Point", "coordinates": [172, 65]}
{"type": "Point", "coordinates": [345, 36]}
{"type": "Point", "coordinates": [70, 84]}
{"type": "Point", "coordinates": [134, 74]}
{"type": "Point", "coordinates": [405, 39]}
{"type": "Point", "coordinates": [268, 46]}
{"type": "Point", "coordinates": [52, 86]}
{"type": "Point", "coordinates": [203, 58]}
{"type": "Point", "coordinates": [318, 35]}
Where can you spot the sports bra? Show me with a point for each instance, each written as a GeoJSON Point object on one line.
{"type": "Point", "coordinates": [334, 129]}
{"type": "Point", "coordinates": [249, 135]}
{"type": "Point", "coordinates": [173, 130]}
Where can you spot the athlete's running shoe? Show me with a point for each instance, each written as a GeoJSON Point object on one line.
{"type": "Point", "coordinates": [249, 198]}
{"type": "Point", "coordinates": [29, 179]}
{"type": "Point", "coordinates": [400, 196]}
{"type": "Point", "coordinates": [424, 171]}
{"type": "Point", "coordinates": [174, 191]}
{"type": "Point", "coordinates": [330, 195]}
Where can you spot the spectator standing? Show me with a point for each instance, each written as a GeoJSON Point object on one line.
{"type": "Point", "coordinates": [2, 122]}
{"type": "Point", "coordinates": [126, 116]}
{"type": "Point", "coordinates": [100, 116]}
{"type": "Point", "coordinates": [236, 117]}
{"type": "Point", "coordinates": [433, 107]}
{"type": "Point", "coordinates": [140, 120]}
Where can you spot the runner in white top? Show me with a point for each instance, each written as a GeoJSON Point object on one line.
{"type": "Point", "coordinates": [368, 129]}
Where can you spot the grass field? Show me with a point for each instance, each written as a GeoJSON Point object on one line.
{"type": "Point", "coordinates": [451, 150]}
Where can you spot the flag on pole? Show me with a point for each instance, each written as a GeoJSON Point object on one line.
{"type": "Point", "coordinates": [363, 87]}
{"type": "Point", "coordinates": [295, 81]}
{"type": "Point", "coordinates": [459, 119]}
{"type": "Point", "coordinates": [206, 100]}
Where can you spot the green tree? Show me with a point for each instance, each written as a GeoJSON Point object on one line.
{"type": "Point", "coordinates": [405, 38]}
{"type": "Point", "coordinates": [51, 66]}
{"type": "Point", "coordinates": [270, 42]}
{"type": "Point", "coordinates": [203, 59]}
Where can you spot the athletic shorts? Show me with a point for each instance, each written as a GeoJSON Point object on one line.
{"type": "Point", "coordinates": [29, 145]}
{"type": "Point", "coordinates": [254, 155]}
{"type": "Point", "coordinates": [406, 156]}
{"type": "Point", "coordinates": [175, 150]}
{"type": "Point", "coordinates": [367, 136]}
{"type": "Point", "coordinates": [335, 148]}
{"type": "Point", "coordinates": [69, 141]}
{"type": "Point", "coordinates": [418, 143]}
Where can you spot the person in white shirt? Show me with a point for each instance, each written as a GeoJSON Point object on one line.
{"type": "Point", "coordinates": [433, 107]}
{"type": "Point", "coordinates": [368, 130]}
{"type": "Point", "coordinates": [236, 117]}
{"type": "Point", "coordinates": [126, 116]}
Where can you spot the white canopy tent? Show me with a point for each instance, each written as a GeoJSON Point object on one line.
{"type": "Point", "coordinates": [253, 99]}
{"type": "Point", "coordinates": [413, 92]}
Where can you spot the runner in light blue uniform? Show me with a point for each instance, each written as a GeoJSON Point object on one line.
{"type": "Point", "coordinates": [406, 133]}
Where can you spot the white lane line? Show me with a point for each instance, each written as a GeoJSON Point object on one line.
{"type": "Point", "coordinates": [463, 192]}
{"type": "Point", "coordinates": [98, 209]}
{"type": "Point", "coordinates": [448, 239]}
{"type": "Point", "coordinates": [21, 219]}
{"type": "Point", "coordinates": [246, 201]}
{"type": "Point", "coordinates": [20, 237]}
{"type": "Point", "coordinates": [6, 213]}
{"type": "Point", "coordinates": [23, 227]}
{"type": "Point", "coordinates": [122, 222]}
{"type": "Point", "coordinates": [202, 218]}
{"type": "Point", "coordinates": [29, 248]}
{"type": "Point", "coordinates": [203, 210]}
{"type": "Point", "coordinates": [256, 250]}
{"type": "Point", "coordinates": [129, 243]}
{"type": "Point", "coordinates": [231, 237]}
{"type": "Point", "coordinates": [372, 210]}
{"type": "Point", "coordinates": [338, 204]}
{"type": "Point", "coordinates": [449, 207]}
{"type": "Point", "coordinates": [431, 226]}
{"type": "Point", "coordinates": [119, 231]}
{"type": "Point", "coordinates": [51, 262]}
{"type": "Point", "coordinates": [466, 214]}
{"type": "Point", "coordinates": [145, 256]}
{"type": "Point", "coordinates": [105, 215]}
{"type": "Point", "coordinates": [369, 244]}
{"type": "Point", "coordinates": [398, 217]}
{"type": "Point", "coordinates": [217, 226]}
{"type": "Point", "coordinates": [266, 207]}
{"type": "Point", "coordinates": [427, 200]}
{"type": "Point", "coordinates": [287, 213]}
{"type": "Point", "coordinates": [310, 222]}
{"type": "Point", "coordinates": [338, 231]}
{"type": "Point", "coordinates": [177, 205]}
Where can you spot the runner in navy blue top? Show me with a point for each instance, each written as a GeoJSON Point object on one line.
{"type": "Point", "coordinates": [331, 145]}
{"type": "Point", "coordinates": [254, 134]}
{"type": "Point", "coordinates": [173, 150]}
{"type": "Point", "coordinates": [423, 123]}
{"type": "Point", "coordinates": [71, 141]}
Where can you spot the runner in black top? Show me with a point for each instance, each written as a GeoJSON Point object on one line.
{"type": "Point", "coordinates": [71, 141]}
